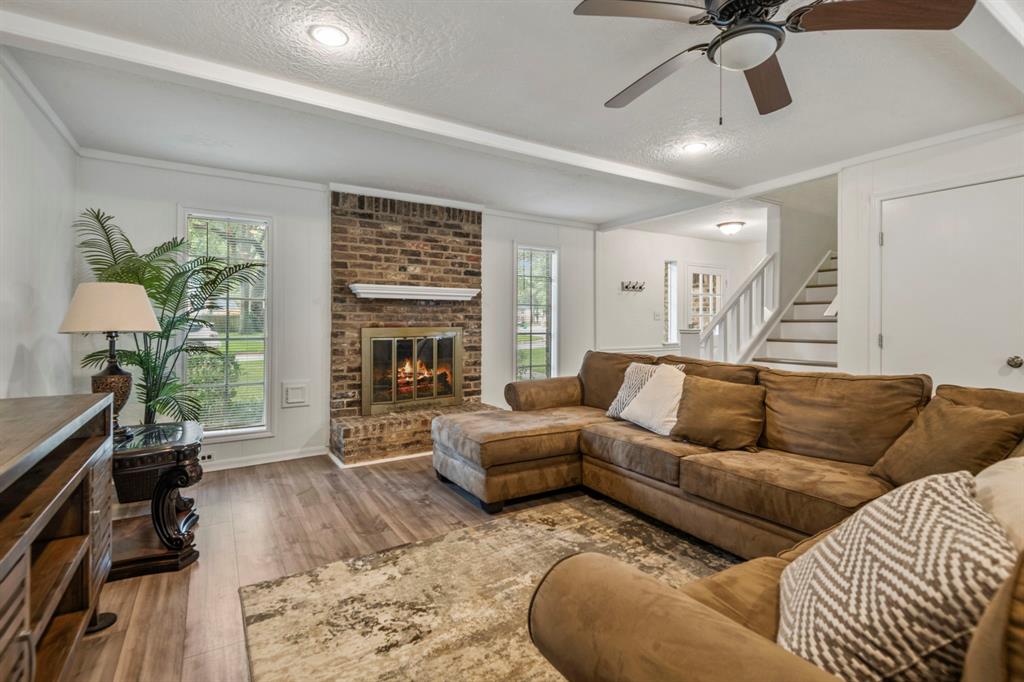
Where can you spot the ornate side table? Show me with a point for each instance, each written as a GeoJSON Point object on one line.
{"type": "Point", "coordinates": [154, 464]}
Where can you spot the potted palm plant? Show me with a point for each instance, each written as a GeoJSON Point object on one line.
{"type": "Point", "coordinates": [181, 289]}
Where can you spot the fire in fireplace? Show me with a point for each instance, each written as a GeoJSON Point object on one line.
{"type": "Point", "coordinates": [411, 366]}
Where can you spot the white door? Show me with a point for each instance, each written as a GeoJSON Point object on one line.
{"type": "Point", "coordinates": [952, 290]}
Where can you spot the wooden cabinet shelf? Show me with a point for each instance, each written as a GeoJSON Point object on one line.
{"type": "Point", "coordinates": [55, 499]}
{"type": "Point", "coordinates": [53, 653]}
{"type": "Point", "coordinates": [54, 564]}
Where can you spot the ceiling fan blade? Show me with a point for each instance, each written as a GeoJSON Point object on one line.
{"type": "Point", "coordinates": [914, 15]}
{"type": "Point", "coordinates": [768, 86]}
{"type": "Point", "coordinates": [655, 76]}
{"type": "Point", "coordinates": [641, 9]}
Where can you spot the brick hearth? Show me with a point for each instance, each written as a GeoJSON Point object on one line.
{"type": "Point", "coordinates": [386, 241]}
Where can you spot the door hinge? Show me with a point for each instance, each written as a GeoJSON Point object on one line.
{"type": "Point", "coordinates": [881, 239]}
{"type": "Point", "coordinates": [881, 343]}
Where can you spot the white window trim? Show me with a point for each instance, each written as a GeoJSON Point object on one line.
{"type": "Point", "coordinates": [708, 268]}
{"type": "Point", "coordinates": [555, 303]}
{"type": "Point", "coordinates": [672, 305]}
{"type": "Point", "coordinates": [270, 364]}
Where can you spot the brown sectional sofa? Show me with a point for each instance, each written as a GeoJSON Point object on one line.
{"type": "Point", "coordinates": [596, 618]}
{"type": "Point", "coordinates": [822, 434]}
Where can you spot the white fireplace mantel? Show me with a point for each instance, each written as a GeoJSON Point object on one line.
{"type": "Point", "coordinates": [408, 292]}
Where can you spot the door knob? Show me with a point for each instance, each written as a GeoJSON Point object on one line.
{"type": "Point", "coordinates": [1015, 361]}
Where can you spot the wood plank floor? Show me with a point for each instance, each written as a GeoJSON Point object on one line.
{"type": "Point", "coordinates": [261, 523]}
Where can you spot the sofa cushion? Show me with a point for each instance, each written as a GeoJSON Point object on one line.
{"type": "Point", "coordinates": [656, 405]}
{"type": "Point", "coordinates": [839, 416]}
{"type": "Point", "coordinates": [1000, 491]}
{"type": "Point", "coordinates": [747, 593]}
{"type": "Point", "coordinates": [493, 438]}
{"type": "Point", "coordinates": [719, 414]}
{"type": "Point", "coordinates": [948, 437]}
{"type": "Point", "coordinates": [637, 375]}
{"type": "Point", "coordinates": [1010, 402]}
{"type": "Point", "coordinates": [996, 652]}
{"type": "Point", "coordinates": [636, 449]}
{"type": "Point", "coordinates": [602, 375]}
{"type": "Point", "coordinates": [805, 493]}
{"type": "Point", "coordinates": [720, 371]}
{"type": "Point", "coordinates": [897, 590]}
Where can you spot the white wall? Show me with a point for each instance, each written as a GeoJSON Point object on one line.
{"type": "Point", "coordinates": [145, 201]}
{"type": "Point", "coordinates": [37, 185]}
{"type": "Point", "coordinates": [626, 321]}
{"type": "Point", "coordinates": [501, 234]}
{"type": "Point", "coordinates": [993, 155]}
{"type": "Point", "coordinates": [803, 238]}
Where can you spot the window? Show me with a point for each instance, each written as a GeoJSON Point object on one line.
{"type": "Point", "coordinates": [232, 386]}
{"type": "Point", "coordinates": [536, 294]}
{"type": "Point", "coordinates": [706, 295]}
{"type": "Point", "coordinates": [671, 311]}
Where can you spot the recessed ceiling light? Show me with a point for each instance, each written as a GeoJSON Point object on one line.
{"type": "Point", "coordinates": [695, 147]}
{"type": "Point", "coordinates": [331, 36]}
{"type": "Point", "coordinates": [730, 228]}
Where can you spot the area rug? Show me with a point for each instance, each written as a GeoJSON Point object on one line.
{"type": "Point", "coordinates": [453, 607]}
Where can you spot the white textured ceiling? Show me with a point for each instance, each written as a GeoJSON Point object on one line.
{"type": "Point", "coordinates": [819, 196]}
{"type": "Point", "coordinates": [532, 69]}
{"type": "Point", "coordinates": [702, 223]}
{"type": "Point", "coordinates": [126, 113]}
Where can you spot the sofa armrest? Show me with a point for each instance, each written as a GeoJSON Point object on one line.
{"type": "Point", "coordinates": [596, 618]}
{"type": "Point", "coordinates": [543, 393]}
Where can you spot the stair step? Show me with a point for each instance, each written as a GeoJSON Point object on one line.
{"type": "Point", "coordinates": [824, 303]}
{"type": "Point", "coordinates": [802, 363]}
{"type": "Point", "coordinates": [776, 340]}
{"type": "Point", "coordinates": [831, 320]}
{"type": "Point", "coordinates": [829, 270]}
{"type": "Point", "coordinates": [821, 286]}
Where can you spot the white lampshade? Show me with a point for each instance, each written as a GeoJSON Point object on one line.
{"type": "Point", "coordinates": [99, 307]}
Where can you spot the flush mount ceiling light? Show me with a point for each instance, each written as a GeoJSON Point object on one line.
{"type": "Point", "coordinates": [730, 228]}
{"type": "Point", "coordinates": [331, 36]}
{"type": "Point", "coordinates": [695, 147]}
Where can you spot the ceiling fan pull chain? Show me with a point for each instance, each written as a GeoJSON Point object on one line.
{"type": "Point", "coordinates": [721, 114]}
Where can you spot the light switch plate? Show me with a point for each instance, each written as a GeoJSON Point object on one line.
{"type": "Point", "coordinates": [294, 393]}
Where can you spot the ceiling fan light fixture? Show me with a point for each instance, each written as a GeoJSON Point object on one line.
{"type": "Point", "coordinates": [330, 36]}
{"type": "Point", "coordinates": [730, 228]}
{"type": "Point", "coordinates": [745, 46]}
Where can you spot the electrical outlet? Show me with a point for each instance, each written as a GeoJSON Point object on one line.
{"type": "Point", "coordinates": [206, 458]}
{"type": "Point", "coordinates": [657, 317]}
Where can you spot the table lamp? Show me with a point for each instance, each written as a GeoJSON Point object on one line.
{"type": "Point", "coordinates": [111, 308]}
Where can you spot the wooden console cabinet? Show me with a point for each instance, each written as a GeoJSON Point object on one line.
{"type": "Point", "coordinates": [55, 529]}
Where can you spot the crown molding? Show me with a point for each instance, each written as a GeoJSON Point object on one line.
{"type": "Point", "coordinates": [532, 218]}
{"type": "Point", "coordinates": [146, 162]}
{"type": "Point", "coordinates": [11, 65]}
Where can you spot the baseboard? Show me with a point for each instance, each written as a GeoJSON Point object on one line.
{"type": "Point", "coordinates": [263, 458]}
{"type": "Point", "coordinates": [370, 462]}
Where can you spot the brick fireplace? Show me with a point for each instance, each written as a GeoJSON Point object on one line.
{"type": "Point", "coordinates": [386, 410]}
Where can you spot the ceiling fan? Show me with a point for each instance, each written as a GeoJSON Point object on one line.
{"type": "Point", "coordinates": [749, 38]}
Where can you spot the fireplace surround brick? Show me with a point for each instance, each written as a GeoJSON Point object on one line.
{"type": "Point", "coordinates": [386, 241]}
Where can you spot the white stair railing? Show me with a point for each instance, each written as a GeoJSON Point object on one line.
{"type": "Point", "coordinates": [729, 335]}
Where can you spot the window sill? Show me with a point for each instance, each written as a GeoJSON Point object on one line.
{"type": "Point", "coordinates": [233, 435]}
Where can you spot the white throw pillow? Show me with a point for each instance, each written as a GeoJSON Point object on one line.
{"type": "Point", "coordinates": [895, 592]}
{"type": "Point", "coordinates": [1000, 491]}
{"type": "Point", "coordinates": [655, 406]}
{"type": "Point", "coordinates": [637, 376]}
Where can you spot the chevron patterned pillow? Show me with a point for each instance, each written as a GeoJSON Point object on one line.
{"type": "Point", "coordinates": [895, 592]}
{"type": "Point", "coordinates": [637, 374]}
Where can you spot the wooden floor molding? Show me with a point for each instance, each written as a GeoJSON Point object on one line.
{"type": "Point", "coordinates": [260, 523]}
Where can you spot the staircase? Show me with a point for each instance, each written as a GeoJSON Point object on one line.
{"type": "Point", "coordinates": [805, 338]}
